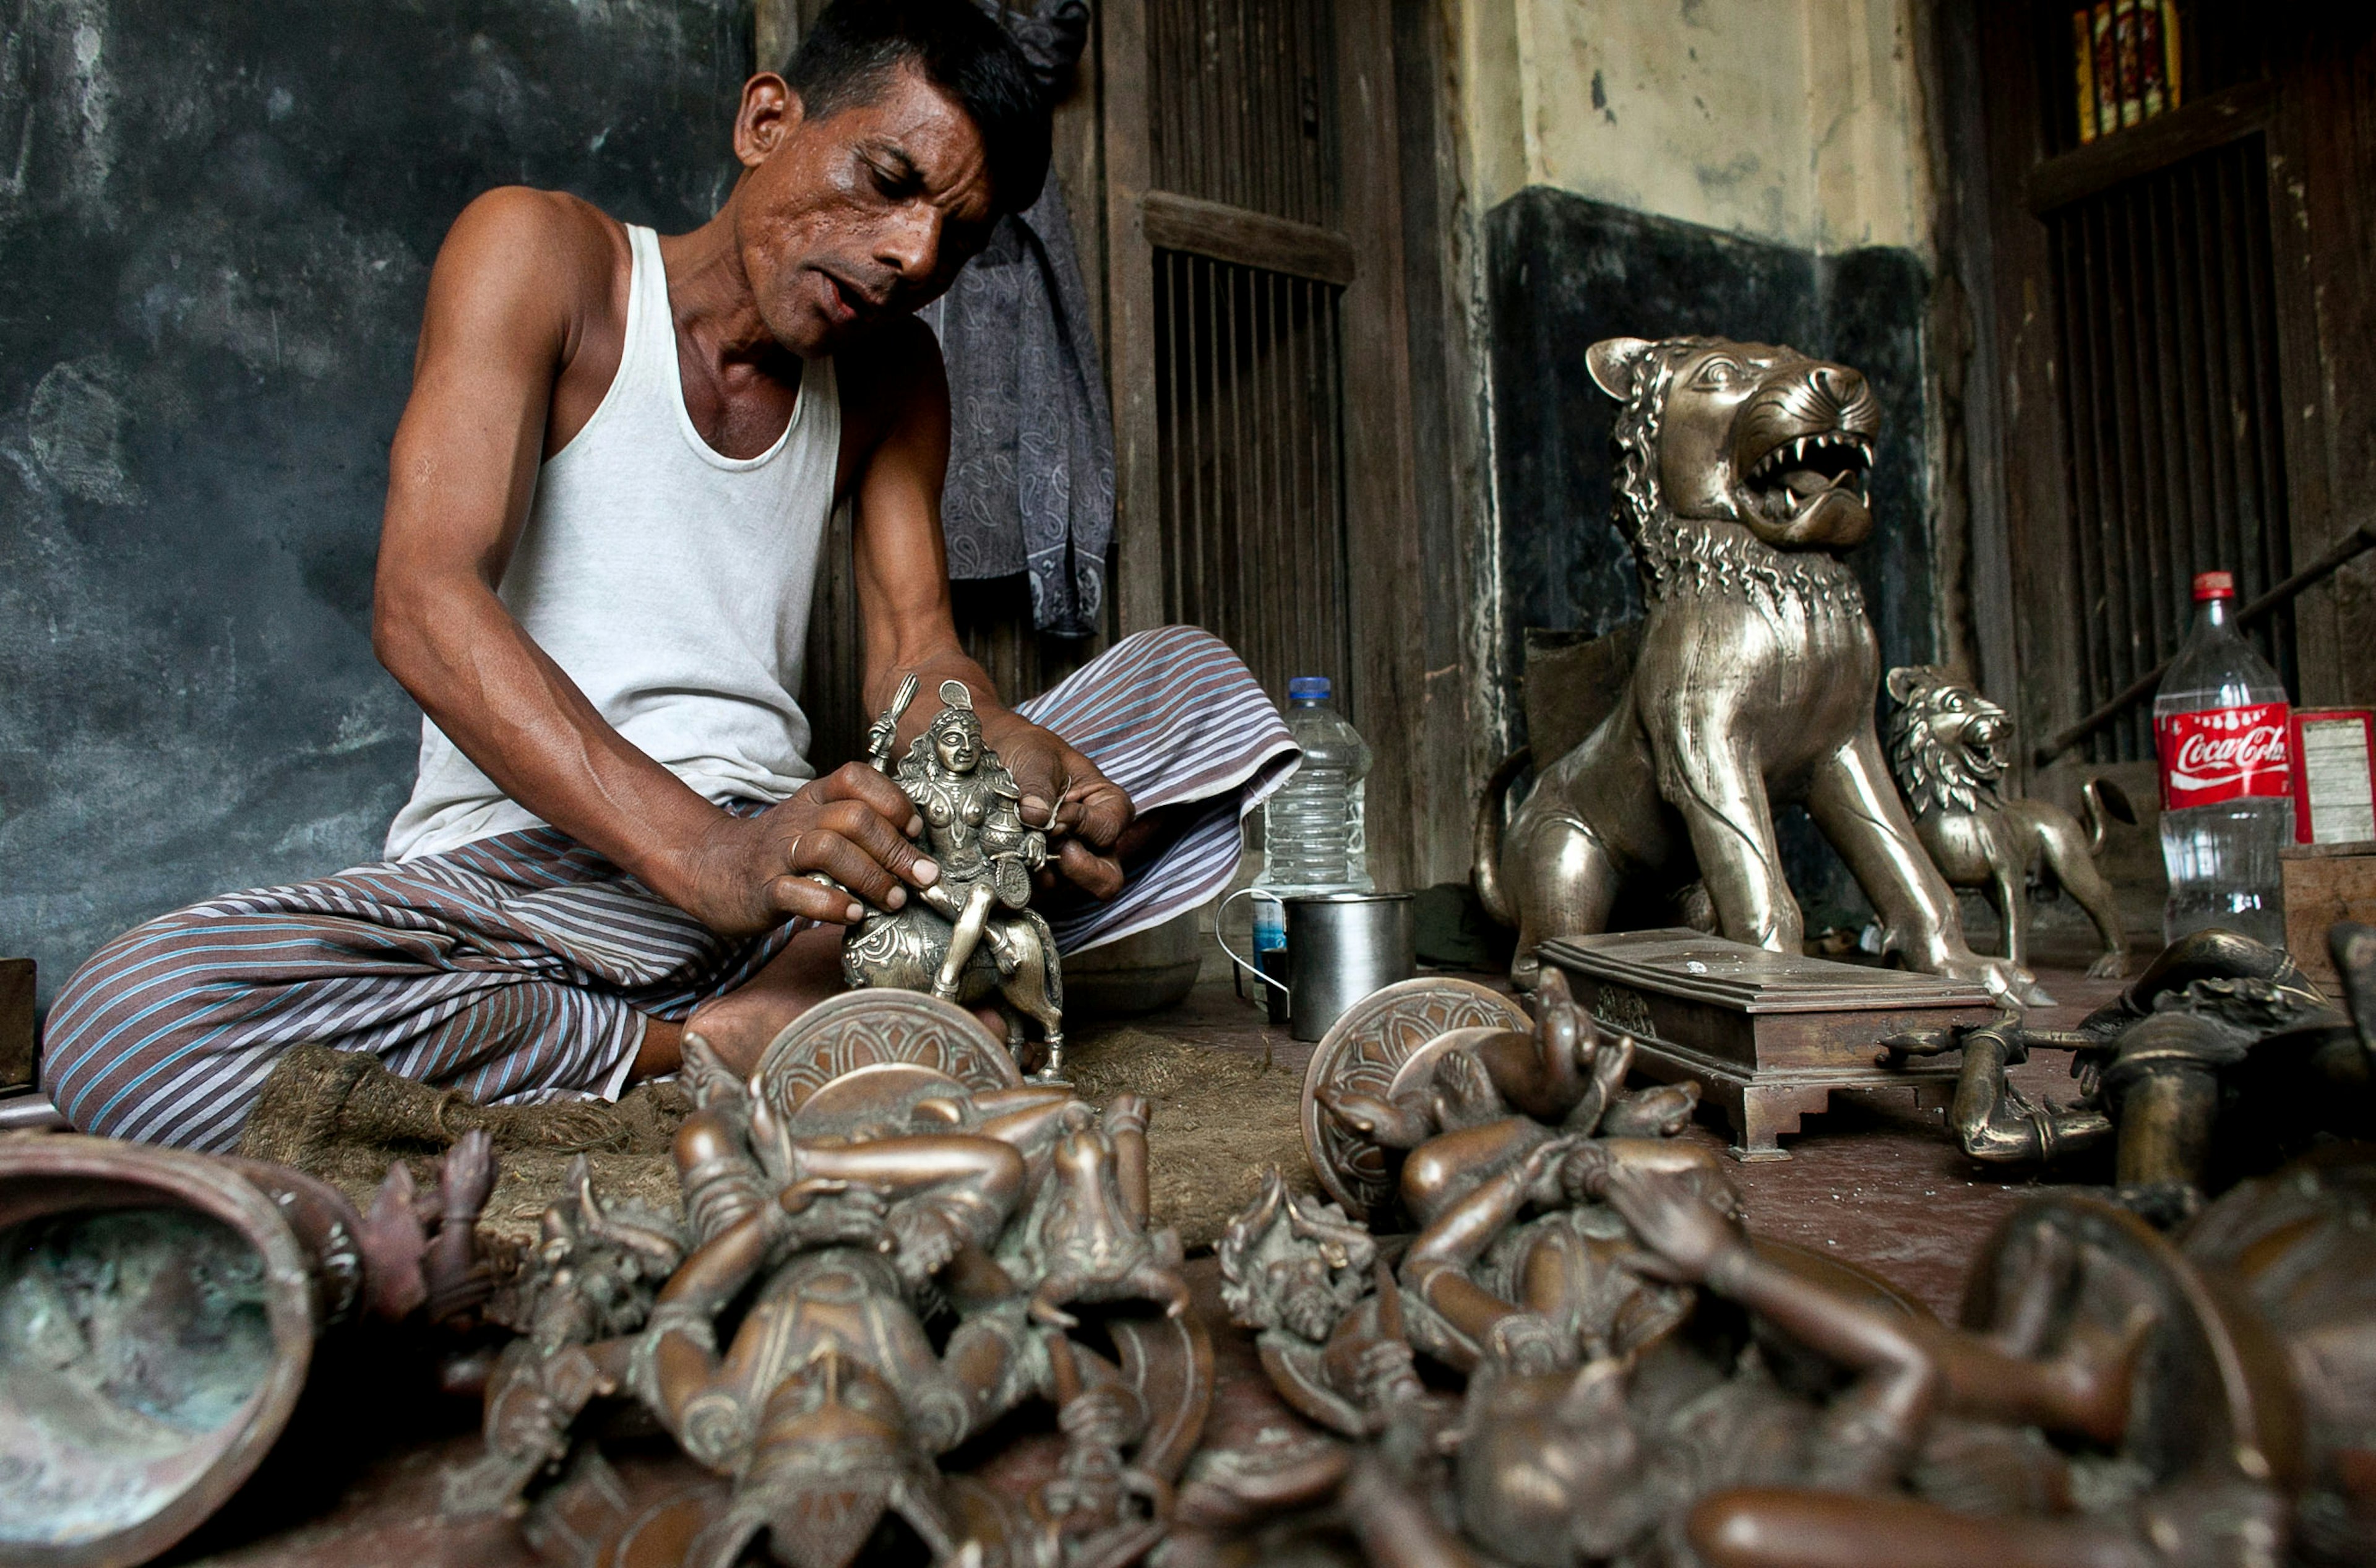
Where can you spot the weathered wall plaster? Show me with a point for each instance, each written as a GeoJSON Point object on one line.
{"type": "Point", "coordinates": [216, 218]}
{"type": "Point", "coordinates": [1796, 122]}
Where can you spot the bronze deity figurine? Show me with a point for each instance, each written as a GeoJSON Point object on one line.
{"type": "Point", "coordinates": [972, 935]}
{"type": "Point", "coordinates": [2221, 1060]}
{"type": "Point", "coordinates": [1502, 1131]}
{"type": "Point", "coordinates": [1646, 1383]}
{"type": "Point", "coordinates": [1946, 746]}
{"type": "Point", "coordinates": [1742, 477]}
{"type": "Point", "coordinates": [888, 1239]}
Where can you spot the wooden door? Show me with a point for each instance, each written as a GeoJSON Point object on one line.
{"type": "Point", "coordinates": [2166, 375]}
{"type": "Point", "coordinates": [1260, 356]}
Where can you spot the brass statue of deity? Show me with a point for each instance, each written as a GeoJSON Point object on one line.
{"type": "Point", "coordinates": [972, 935]}
{"type": "Point", "coordinates": [888, 1239]}
{"type": "Point", "coordinates": [1584, 1358]}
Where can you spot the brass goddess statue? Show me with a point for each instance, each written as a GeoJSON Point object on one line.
{"type": "Point", "coordinates": [971, 936]}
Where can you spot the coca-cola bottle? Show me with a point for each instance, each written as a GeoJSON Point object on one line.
{"type": "Point", "coordinates": [2226, 805]}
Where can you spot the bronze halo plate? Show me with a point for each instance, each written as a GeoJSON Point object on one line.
{"type": "Point", "coordinates": [864, 1052]}
{"type": "Point", "coordinates": [1387, 1041]}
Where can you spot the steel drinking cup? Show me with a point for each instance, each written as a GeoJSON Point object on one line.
{"type": "Point", "coordinates": [1340, 948]}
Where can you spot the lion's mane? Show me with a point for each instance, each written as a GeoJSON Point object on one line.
{"type": "Point", "coordinates": [1934, 775]}
{"type": "Point", "coordinates": [1678, 555]}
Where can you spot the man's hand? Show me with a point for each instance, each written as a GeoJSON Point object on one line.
{"type": "Point", "coordinates": [1083, 811]}
{"type": "Point", "coordinates": [895, 402]}
{"type": "Point", "coordinates": [750, 875]}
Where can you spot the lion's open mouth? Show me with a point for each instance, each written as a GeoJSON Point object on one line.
{"type": "Point", "coordinates": [1796, 476]}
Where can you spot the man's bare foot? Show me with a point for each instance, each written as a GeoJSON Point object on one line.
{"type": "Point", "coordinates": [740, 1024]}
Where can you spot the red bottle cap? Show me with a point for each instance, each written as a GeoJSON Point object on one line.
{"type": "Point", "coordinates": [2214, 585]}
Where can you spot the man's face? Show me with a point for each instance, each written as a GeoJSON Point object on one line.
{"type": "Point", "coordinates": [847, 221]}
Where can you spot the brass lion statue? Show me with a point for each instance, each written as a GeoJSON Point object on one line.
{"type": "Point", "coordinates": [1741, 476]}
{"type": "Point", "coordinates": [1944, 743]}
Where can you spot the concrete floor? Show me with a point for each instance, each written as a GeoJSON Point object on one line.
{"type": "Point", "coordinates": [1874, 1182]}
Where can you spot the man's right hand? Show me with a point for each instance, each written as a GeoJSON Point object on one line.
{"type": "Point", "coordinates": [749, 874]}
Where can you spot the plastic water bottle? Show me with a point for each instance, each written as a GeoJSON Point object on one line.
{"type": "Point", "coordinates": [2220, 726]}
{"type": "Point", "coordinates": [1313, 839]}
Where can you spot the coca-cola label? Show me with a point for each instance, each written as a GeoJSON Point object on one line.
{"type": "Point", "coordinates": [2222, 754]}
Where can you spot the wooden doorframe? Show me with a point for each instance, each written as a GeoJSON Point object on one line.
{"type": "Point", "coordinates": [1384, 599]}
{"type": "Point", "coordinates": [2010, 250]}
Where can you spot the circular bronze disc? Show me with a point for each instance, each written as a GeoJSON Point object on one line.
{"type": "Point", "coordinates": [1363, 1050]}
{"type": "Point", "coordinates": [2212, 1393]}
{"type": "Point", "coordinates": [118, 1485]}
{"type": "Point", "coordinates": [881, 1094]}
{"type": "Point", "coordinates": [861, 1028]}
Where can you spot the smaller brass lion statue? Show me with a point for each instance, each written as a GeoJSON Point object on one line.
{"type": "Point", "coordinates": [1946, 747]}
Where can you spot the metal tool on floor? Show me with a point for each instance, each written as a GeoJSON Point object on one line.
{"type": "Point", "coordinates": [1340, 948]}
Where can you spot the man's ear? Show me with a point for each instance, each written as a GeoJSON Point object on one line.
{"type": "Point", "coordinates": [1611, 361]}
{"type": "Point", "coordinates": [770, 111]}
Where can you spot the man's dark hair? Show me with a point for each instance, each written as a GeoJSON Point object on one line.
{"type": "Point", "coordinates": [847, 57]}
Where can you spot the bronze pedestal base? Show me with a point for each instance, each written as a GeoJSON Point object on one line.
{"type": "Point", "coordinates": [1767, 1036]}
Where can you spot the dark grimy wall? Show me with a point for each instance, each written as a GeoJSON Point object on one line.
{"type": "Point", "coordinates": [216, 218]}
{"type": "Point", "coordinates": [1565, 271]}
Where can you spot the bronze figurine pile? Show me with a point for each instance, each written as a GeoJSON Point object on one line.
{"type": "Point", "coordinates": [1582, 1356]}
{"type": "Point", "coordinates": [914, 1309]}
{"type": "Point", "coordinates": [891, 1243]}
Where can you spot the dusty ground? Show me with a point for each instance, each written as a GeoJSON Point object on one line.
{"type": "Point", "coordinates": [1225, 1092]}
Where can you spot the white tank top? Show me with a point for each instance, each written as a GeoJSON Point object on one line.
{"type": "Point", "coordinates": [672, 584]}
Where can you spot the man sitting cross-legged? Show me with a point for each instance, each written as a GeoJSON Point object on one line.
{"type": "Point", "coordinates": [606, 502]}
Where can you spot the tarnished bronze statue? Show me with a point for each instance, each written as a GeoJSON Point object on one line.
{"type": "Point", "coordinates": [1492, 1124]}
{"type": "Point", "coordinates": [1647, 1384]}
{"type": "Point", "coordinates": [972, 935]}
{"type": "Point", "coordinates": [889, 1236]}
{"type": "Point", "coordinates": [159, 1310]}
{"type": "Point", "coordinates": [1473, 1099]}
{"type": "Point", "coordinates": [1742, 477]}
{"type": "Point", "coordinates": [1946, 746]}
{"type": "Point", "coordinates": [1299, 1274]}
{"type": "Point", "coordinates": [2101, 1402]}
{"type": "Point", "coordinates": [2220, 1060]}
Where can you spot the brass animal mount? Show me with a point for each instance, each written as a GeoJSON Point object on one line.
{"type": "Point", "coordinates": [1742, 477]}
{"type": "Point", "coordinates": [1947, 745]}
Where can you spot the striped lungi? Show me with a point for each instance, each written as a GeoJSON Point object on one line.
{"type": "Point", "coordinates": [522, 967]}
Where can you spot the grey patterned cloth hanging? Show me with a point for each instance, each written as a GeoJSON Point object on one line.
{"type": "Point", "coordinates": [1031, 487]}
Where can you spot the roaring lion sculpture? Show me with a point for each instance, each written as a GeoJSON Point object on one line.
{"type": "Point", "coordinates": [1943, 744]}
{"type": "Point", "coordinates": [1741, 474]}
